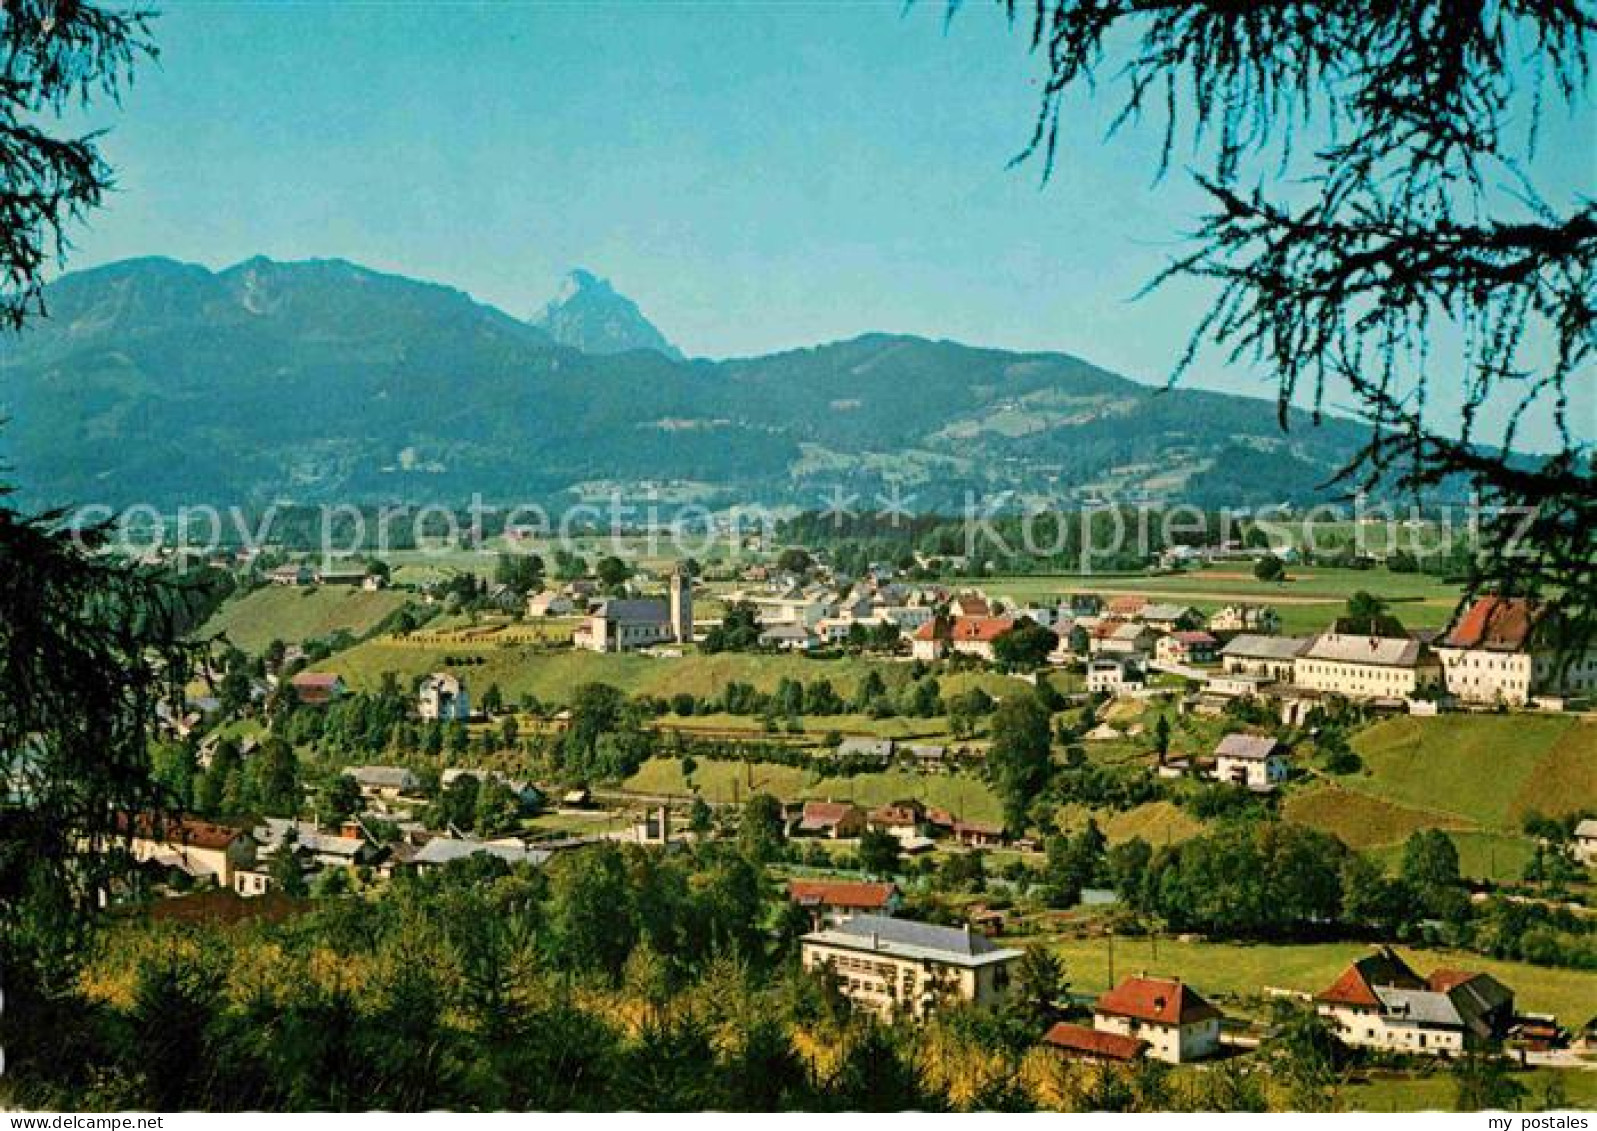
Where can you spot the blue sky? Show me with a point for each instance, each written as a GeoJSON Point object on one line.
{"type": "Point", "coordinates": [756, 175]}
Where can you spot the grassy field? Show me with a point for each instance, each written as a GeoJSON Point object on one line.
{"type": "Point", "coordinates": [552, 675]}
{"type": "Point", "coordinates": [962, 794]}
{"type": "Point", "coordinates": [1236, 973]}
{"type": "Point", "coordinates": [293, 614]}
{"type": "Point", "coordinates": [1307, 600]}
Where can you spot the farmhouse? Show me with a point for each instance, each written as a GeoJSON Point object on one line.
{"type": "Point", "coordinates": [972, 605]}
{"type": "Point", "coordinates": [1367, 667]}
{"type": "Point", "coordinates": [1499, 653]}
{"type": "Point", "coordinates": [1586, 841]}
{"type": "Point", "coordinates": [549, 604]}
{"type": "Point", "coordinates": [317, 689]}
{"type": "Point", "coordinates": [1122, 638]}
{"type": "Point", "coordinates": [1176, 1022]}
{"type": "Point", "coordinates": [788, 638]}
{"type": "Point", "coordinates": [832, 901]}
{"type": "Point", "coordinates": [978, 834]}
{"type": "Point", "coordinates": [1255, 761]}
{"type": "Point", "coordinates": [443, 697]}
{"type": "Point", "coordinates": [1261, 619]}
{"type": "Point", "coordinates": [1186, 647]}
{"type": "Point", "coordinates": [1380, 1002]}
{"type": "Point", "coordinates": [291, 575]}
{"type": "Point", "coordinates": [1272, 657]}
{"type": "Point", "coordinates": [884, 964]}
{"type": "Point", "coordinates": [901, 818]}
{"type": "Point", "coordinates": [835, 819]}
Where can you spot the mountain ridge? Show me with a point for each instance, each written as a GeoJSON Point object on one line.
{"type": "Point", "coordinates": [157, 381]}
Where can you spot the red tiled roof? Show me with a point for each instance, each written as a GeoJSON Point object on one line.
{"type": "Point", "coordinates": [981, 628]}
{"type": "Point", "coordinates": [1496, 624]}
{"type": "Point", "coordinates": [932, 630]}
{"type": "Point", "coordinates": [1091, 1042]}
{"type": "Point", "coordinates": [841, 893]}
{"type": "Point", "coordinates": [1128, 605]}
{"type": "Point", "coordinates": [1165, 1001]}
{"type": "Point", "coordinates": [1194, 637]}
{"type": "Point", "coordinates": [973, 606]}
{"type": "Point", "coordinates": [1356, 985]}
{"type": "Point", "coordinates": [1106, 628]}
{"type": "Point", "coordinates": [977, 828]}
{"type": "Point", "coordinates": [897, 815]}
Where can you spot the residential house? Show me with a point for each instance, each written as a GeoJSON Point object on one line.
{"type": "Point", "coordinates": [1186, 647]}
{"type": "Point", "coordinates": [886, 964]}
{"type": "Point", "coordinates": [1256, 761]}
{"type": "Point", "coordinates": [317, 689]}
{"type": "Point", "coordinates": [1586, 841]}
{"type": "Point", "coordinates": [788, 638]}
{"type": "Point", "coordinates": [930, 641]}
{"type": "Point", "coordinates": [978, 834]}
{"type": "Point", "coordinates": [1380, 1002]}
{"type": "Point", "coordinates": [1500, 652]}
{"type": "Point", "coordinates": [1113, 675]}
{"type": "Point", "coordinates": [624, 624]}
{"type": "Point", "coordinates": [549, 603]}
{"type": "Point", "coordinates": [838, 820]}
{"type": "Point", "coordinates": [444, 850]}
{"type": "Point", "coordinates": [1259, 619]}
{"type": "Point", "coordinates": [1368, 667]}
{"type": "Point", "coordinates": [974, 636]}
{"type": "Point", "coordinates": [1121, 638]}
{"type": "Point", "coordinates": [1272, 657]}
{"type": "Point", "coordinates": [199, 849]}
{"type": "Point", "coordinates": [315, 848]}
{"type": "Point", "coordinates": [291, 575]}
{"type": "Point", "coordinates": [901, 818]}
{"type": "Point", "coordinates": [443, 697]}
{"type": "Point", "coordinates": [1175, 1020]}
{"type": "Point", "coordinates": [969, 605]}
{"type": "Point", "coordinates": [832, 901]}
{"type": "Point", "coordinates": [1079, 1042]}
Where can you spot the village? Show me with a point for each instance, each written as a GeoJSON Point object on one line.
{"type": "Point", "coordinates": [1147, 678]}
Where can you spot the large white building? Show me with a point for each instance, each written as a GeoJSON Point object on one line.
{"type": "Point", "coordinates": [886, 964]}
{"type": "Point", "coordinates": [1496, 654]}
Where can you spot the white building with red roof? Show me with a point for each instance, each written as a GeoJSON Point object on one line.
{"type": "Point", "coordinates": [975, 636]}
{"type": "Point", "coordinates": [1380, 1002]}
{"type": "Point", "coordinates": [832, 901]}
{"type": "Point", "coordinates": [1176, 1021]}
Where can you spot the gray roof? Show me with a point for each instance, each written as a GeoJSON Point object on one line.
{"type": "Point", "coordinates": [905, 938]}
{"type": "Point", "coordinates": [1386, 651]}
{"type": "Point", "coordinates": [934, 751]}
{"type": "Point", "coordinates": [1252, 647]}
{"type": "Point", "coordinates": [1249, 747]}
{"type": "Point", "coordinates": [441, 850]}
